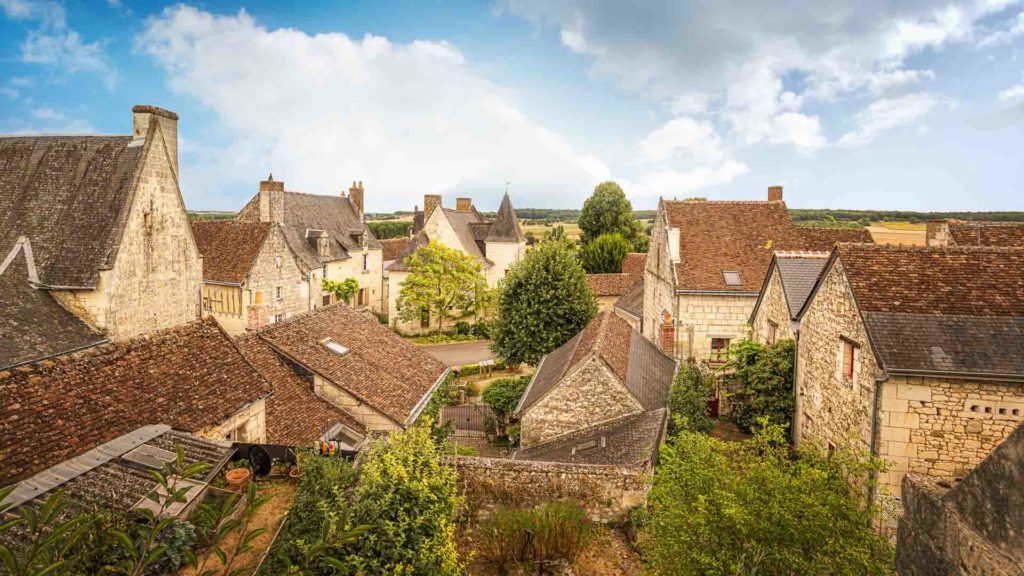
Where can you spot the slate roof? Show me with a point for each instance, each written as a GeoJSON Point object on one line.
{"type": "Point", "coordinates": [381, 368]}
{"type": "Point", "coordinates": [190, 377]}
{"type": "Point", "coordinates": [505, 227]}
{"type": "Point", "coordinates": [956, 311]}
{"type": "Point", "coordinates": [632, 301]}
{"type": "Point", "coordinates": [296, 416]}
{"type": "Point", "coordinates": [229, 248]}
{"type": "Point", "coordinates": [629, 441]}
{"type": "Point", "coordinates": [798, 275]}
{"type": "Point", "coordinates": [823, 239]}
{"type": "Point", "coordinates": [335, 215]}
{"type": "Point", "coordinates": [33, 325]}
{"type": "Point", "coordinates": [70, 195]}
{"type": "Point", "coordinates": [635, 361]}
{"type": "Point", "coordinates": [393, 247]}
{"type": "Point", "coordinates": [1008, 234]}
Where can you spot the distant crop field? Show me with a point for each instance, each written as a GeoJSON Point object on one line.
{"type": "Point", "coordinates": [898, 233]}
{"type": "Point", "coordinates": [904, 226]}
{"type": "Point", "coordinates": [572, 231]}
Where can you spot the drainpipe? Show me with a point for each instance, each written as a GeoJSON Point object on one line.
{"type": "Point", "coordinates": [879, 381]}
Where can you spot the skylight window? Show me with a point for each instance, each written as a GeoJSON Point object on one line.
{"type": "Point", "coordinates": [335, 347]}
{"type": "Point", "coordinates": [732, 278]}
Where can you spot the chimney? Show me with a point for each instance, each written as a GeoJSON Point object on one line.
{"type": "Point", "coordinates": [272, 200]}
{"type": "Point", "coordinates": [430, 201]}
{"type": "Point", "coordinates": [146, 117]}
{"type": "Point", "coordinates": [464, 204]}
{"type": "Point", "coordinates": [355, 194]}
{"type": "Point", "coordinates": [937, 233]}
{"type": "Point", "coordinates": [775, 193]}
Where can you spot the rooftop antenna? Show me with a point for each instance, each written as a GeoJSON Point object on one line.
{"type": "Point", "coordinates": [507, 183]}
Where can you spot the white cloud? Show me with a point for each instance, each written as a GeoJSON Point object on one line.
{"type": "Point", "coordinates": [1012, 94]}
{"type": "Point", "coordinates": [799, 130]}
{"type": "Point", "coordinates": [406, 119]}
{"type": "Point", "coordinates": [698, 139]}
{"type": "Point", "coordinates": [1004, 36]}
{"type": "Point", "coordinates": [677, 183]}
{"type": "Point", "coordinates": [886, 114]}
{"type": "Point", "coordinates": [689, 104]}
{"type": "Point", "coordinates": [883, 81]}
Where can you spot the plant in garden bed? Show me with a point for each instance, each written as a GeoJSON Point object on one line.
{"type": "Point", "coordinates": [516, 537]}
{"type": "Point", "coordinates": [688, 399]}
{"type": "Point", "coordinates": [766, 376]}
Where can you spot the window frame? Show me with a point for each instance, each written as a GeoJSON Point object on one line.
{"type": "Point", "coordinates": [721, 353]}
{"type": "Point", "coordinates": [773, 332]}
{"type": "Point", "coordinates": [849, 349]}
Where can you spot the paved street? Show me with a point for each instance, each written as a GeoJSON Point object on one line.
{"type": "Point", "coordinates": [461, 353]}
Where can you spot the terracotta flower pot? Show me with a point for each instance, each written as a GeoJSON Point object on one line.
{"type": "Point", "coordinates": [237, 477]}
{"type": "Point", "coordinates": [295, 473]}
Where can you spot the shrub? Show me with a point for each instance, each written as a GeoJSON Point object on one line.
{"type": "Point", "coordinates": [766, 376]}
{"type": "Point", "coordinates": [687, 399]}
{"type": "Point", "coordinates": [503, 394]}
{"type": "Point", "coordinates": [482, 329]}
{"type": "Point", "coordinates": [604, 254]}
{"type": "Point", "coordinates": [518, 537]}
{"type": "Point", "coordinates": [514, 432]}
{"type": "Point", "coordinates": [462, 328]}
{"type": "Point", "coordinates": [472, 390]}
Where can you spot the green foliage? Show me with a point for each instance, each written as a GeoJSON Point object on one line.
{"type": "Point", "coordinates": [556, 233]}
{"type": "Point", "coordinates": [343, 290]}
{"type": "Point", "coordinates": [443, 281]}
{"type": "Point", "coordinates": [462, 328]}
{"type": "Point", "coordinates": [607, 211]}
{"type": "Point", "coordinates": [604, 254]}
{"type": "Point", "coordinates": [461, 450]}
{"type": "Point", "coordinates": [687, 399]}
{"type": "Point", "coordinates": [408, 497]}
{"type": "Point", "coordinates": [516, 537]}
{"type": "Point", "coordinates": [766, 376]}
{"type": "Point", "coordinates": [542, 303]}
{"type": "Point", "coordinates": [503, 394]}
{"type": "Point", "coordinates": [431, 414]}
{"type": "Point", "coordinates": [51, 539]}
{"type": "Point", "coordinates": [472, 390]}
{"type": "Point", "coordinates": [801, 215]}
{"type": "Point", "coordinates": [482, 329]}
{"type": "Point", "coordinates": [227, 519]}
{"type": "Point", "coordinates": [724, 508]}
{"type": "Point", "coordinates": [384, 229]}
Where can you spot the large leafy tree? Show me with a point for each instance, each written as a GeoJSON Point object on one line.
{"type": "Point", "coordinates": [766, 376]}
{"type": "Point", "coordinates": [542, 303]}
{"type": "Point", "coordinates": [605, 254]}
{"type": "Point", "coordinates": [752, 507]}
{"type": "Point", "coordinates": [443, 282]}
{"type": "Point", "coordinates": [688, 399]}
{"type": "Point", "coordinates": [607, 211]}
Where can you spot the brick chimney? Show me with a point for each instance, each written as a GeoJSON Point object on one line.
{"type": "Point", "coordinates": [430, 201]}
{"type": "Point", "coordinates": [463, 204]}
{"type": "Point", "coordinates": [146, 117]}
{"type": "Point", "coordinates": [667, 335]}
{"type": "Point", "coordinates": [355, 194]}
{"type": "Point", "coordinates": [937, 233]}
{"type": "Point", "coordinates": [775, 193]}
{"type": "Point", "coordinates": [272, 200]}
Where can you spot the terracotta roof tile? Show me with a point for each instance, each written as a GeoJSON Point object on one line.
{"type": "Point", "coordinates": [1008, 234]}
{"type": "Point", "coordinates": [821, 239]}
{"type": "Point", "coordinates": [393, 247]}
{"type": "Point", "coordinates": [610, 284]}
{"type": "Point", "coordinates": [229, 248]}
{"type": "Point", "coordinates": [190, 377]}
{"type": "Point", "coordinates": [381, 368]}
{"type": "Point", "coordinates": [634, 263]}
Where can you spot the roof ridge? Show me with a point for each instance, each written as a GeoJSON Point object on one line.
{"type": "Point", "coordinates": [765, 202]}
{"type": "Point", "coordinates": [609, 422]}
{"type": "Point", "coordinates": [865, 246]}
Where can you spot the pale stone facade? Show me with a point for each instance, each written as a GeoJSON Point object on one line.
{"type": "Point", "coordinates": [704, 317]}
{"type": "Point", "coordinates": [367, 267]}
{"type": "Point", "coordinates": [373, 419]}
{"type": "Point", "coordinates": [587, 396]}
{"type": "Point", "coordinates": [771, 321]}
{"type": "Point", "coordinates": [502, 255]}
{"type": "Point", "coordinates": [248, 425]}
{"type": "Point", "coordinates": [156, 277]}
{"type": "Point", "coordinates": [659, 284]}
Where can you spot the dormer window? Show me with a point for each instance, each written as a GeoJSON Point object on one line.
{"type": "Point", "coordinates": [335, 347]}
{"type": "Point", "coordinates": [732, 278]}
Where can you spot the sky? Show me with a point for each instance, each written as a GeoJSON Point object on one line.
{"type": "Point", "coordinates": [857, 104]}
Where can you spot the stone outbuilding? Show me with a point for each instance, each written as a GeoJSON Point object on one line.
{"type": "Point", "coordinates": [914, 354]}
{"type": "Point", "coordinates": [356, 364]}
{"type": "Point", "coordinates": [108, 233]}
{"type": "Point", "coordinates": [329, 237]}
{"type": "Point", "coordinates": [791, 277]}
{"type": "Point", "coordinates": [943, 233]}
{"type": "Point", "coordinates": [496, 244]}
{"type": "Point", "coordinates": [600, 387]}
{"type": "Point", "coordinates": [707, 263]}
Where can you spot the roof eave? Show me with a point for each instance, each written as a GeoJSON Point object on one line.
{"type": "Point", "coordinates": [990, 377]}
{"type": "Point", "coordinates": [418, 409]}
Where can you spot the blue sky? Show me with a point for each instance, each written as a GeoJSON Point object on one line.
{"type": "Point", "coordinates": [849, 104]}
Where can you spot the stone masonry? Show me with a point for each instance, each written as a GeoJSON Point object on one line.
{"type": "Point", "coordinates": [773, 309]}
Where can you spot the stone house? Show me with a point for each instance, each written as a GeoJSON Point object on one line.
{"type": "Point", "coordinates": [608, 288]}
{"type": "Point", "coordinates": [251, 276]}
{"type": "Point", "coordinates": [607, 382]}
{"type": "Point", "coordinates": [913, 354]}
{"type": "Point", "coordinates": [791, 277]}
{"type": "Point", "coordinates": [109, 235]}
{"type": "Point", "coordinates": [495, 244]}
{"type": "Point", "coordinates": [191, 378]}
{"type": "Point", "coordinates": [356, 364]}
{"type": "Point", "coordinates": [707, 263]}
{"type": "Point", "coordinates": [329, 237]}
{"type": "Point", "coordinates": [965, 233]}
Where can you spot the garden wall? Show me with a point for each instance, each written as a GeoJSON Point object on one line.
{"type": "Point", "coordinates": [607, 491]}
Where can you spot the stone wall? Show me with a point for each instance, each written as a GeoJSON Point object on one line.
{"type": "Point", "coordinates": [608, 492]}
{"type": "Point", "coordinates": [252, 418]}
{"type": "Point", "coordinates": [588, 395]}
{"type": "Point", "coordinates": [659, 286]}
{"type": "Point", "coordinates": [364, 413]}
{"type": "Point", "coordinates": [504, 255]}
{"type": "Point", "coordinates": [371, 279]}
{"type": "Point", "coordinates": [773, 308]}
{"type": "Point", "coordinates": [702, 317]}
{"type": "Point", "coordinates": [971, 527]}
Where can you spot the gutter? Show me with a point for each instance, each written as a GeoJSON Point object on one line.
{"type": "Point", "coordinates": [426, 398]}
{"type": "Point", "coordinates": [220, 283]}
{"type": "Point", "coordinates": [958, 375]}
{"type": "Point", "coordinates": [717, 293]}
{"type": "Point", "coordinates": [519, 407]}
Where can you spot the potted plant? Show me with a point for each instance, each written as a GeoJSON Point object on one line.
{"type": "Point", "coordinates": [296, 471]}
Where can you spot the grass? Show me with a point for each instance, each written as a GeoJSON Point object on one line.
{"type": "Point", "coordinates": [442, 339]}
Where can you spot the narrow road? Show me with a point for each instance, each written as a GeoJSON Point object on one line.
{"type": "Point", "coordinates": [461, 353]}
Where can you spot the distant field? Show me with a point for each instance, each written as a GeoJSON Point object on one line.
{"type": "Point", "coordinates": [898, 233]}
{"type": "Point", "coordinates": [572, 231]}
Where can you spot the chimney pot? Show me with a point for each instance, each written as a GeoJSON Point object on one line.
{"type": "Point", "coordinates": [464, 204]}
{"type": "Point", "coordinates": [775, 193]}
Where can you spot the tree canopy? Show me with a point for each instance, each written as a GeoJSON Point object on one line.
{"type": "Point", "coordinates": [766, 376]}
{"type": "Point", "coordinates": [542, 303]}
{"type": "Point", "coordinates": [343, 290]}
{"type": "Point", "coordinates": [607, 211]}
{"type": "Point", "coordinates": [688, 399]}
{"type": "Point", "coordinates": [605, 254]}
{"type": "Point", "coordinates": [443, 282]}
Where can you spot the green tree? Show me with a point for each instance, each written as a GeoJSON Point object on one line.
{"type": "Point", "coordinates": [605, 254]}
{"type": "Point", "coordinates": [408, 498]}
{"type": "Point", "coordinates": [343, 290]}
{"type": "Point", "coordinates": [766, 376]}
{"type": "Point", "coordinates": [444, 283]}
{"type": "Point", "coordinates": [556, 233]}
{"type": "Point", "coordinates": [607, 211]}
{"type": "Point", "coordinates": [725, 508]}
{"type": "Point", "coordinates": [688, 399]}
{"type": "Point", "coordinates": [503, 396]}
{"type": "Point", "coordinates": [542, 303]}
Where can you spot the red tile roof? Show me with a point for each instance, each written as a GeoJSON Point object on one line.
{"type": "Point", "coordinates": [393, 247]}
{"type": "Point", "coordinates": [820, 239]}
{"type": "Point", "coordinates": [381, 368]}
{"type": "Point", "coordinates": [296, 416]}
{"type": "Point", "coordinates": [610, 284]}
{"type": "Point", "coordinates": [634, 263]}
{"type": "Point", "coordinates": [1009, 234]}
{"type": "Point", "coordinates": [191, 378]}
{"type": "Point", "coordinates": [229, 248]}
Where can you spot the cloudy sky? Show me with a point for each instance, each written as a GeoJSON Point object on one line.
{"type": "Point", "coordinates": [912, 105]}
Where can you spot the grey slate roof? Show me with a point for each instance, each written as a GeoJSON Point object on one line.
{"type": "Point", "coordinates": [798, 277]}
{"type": "Point", "coordinates": [632, 302]}
{"type": "Point", "coordinates": [70, 196]}
{"type": "Point", "coordinates": [985, 346]}
{"type": "Point", "coordinates": [629, 441]}
{"type": "Point", "coordinates": [505, 227]}
{"type": "Point", "coordinates": [33, 325]}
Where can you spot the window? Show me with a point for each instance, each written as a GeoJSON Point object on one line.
{"type": "Point", "coordinates": [258, 297]}
{"type": "Point", "coordinates": [425, 319]}
{"type": "Point", "coordinates": [335, 347]}
{"type": "Point", "coordinates": [366, 262]}
{"type": "Point", "coordinates": [239, 434]}
{"type": "Point", "coordinates": [327, 299]}
{"type": "Point", "coordinates": [732, 278]}
{"type": "Point", "coordinates": [773, 332]}
{"type": "Point", "coordinates": [849, 351]}
{"type": "Point", "coordinates": [363, 297]}
{"type": "Point", "coordinates": [277, 261]}
{"type": "Point", "coordinates": [719, 349]}
{"type": "Point", "coordinates": [276, 318]}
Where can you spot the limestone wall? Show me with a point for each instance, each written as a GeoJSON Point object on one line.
{"type": "Point", "coordinates": [588, 395]}
{"type": "Point", "coordinates": [659, 285]}
{"type": "Point", "coordinates": [369, 279]}
{"type": "Point", "coordinates": [702, 317]}
{"type": "Point", "coordinates": [365, 414]}
{"type": "Point", "coordinates": [773, 308]}
{"type": "Point", "coordinates": [253, 418]}
{"type": "Point", "coordinates": [503, 255]}
{"type": "Point", "coordinates": [608, 492]}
